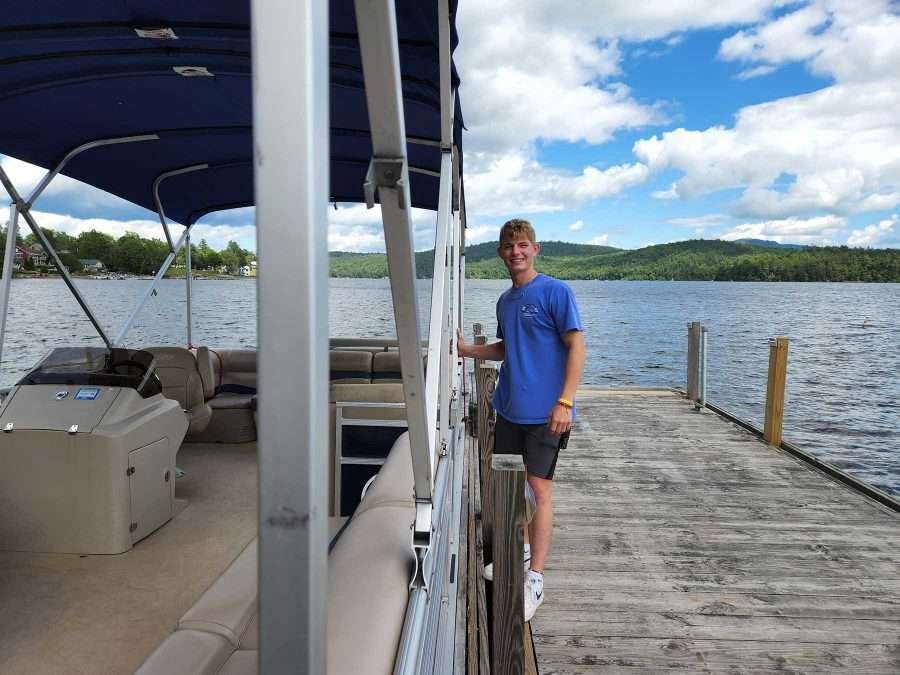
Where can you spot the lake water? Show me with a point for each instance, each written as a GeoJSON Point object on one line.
{"type": "Point", "coordinates": [843, 385]}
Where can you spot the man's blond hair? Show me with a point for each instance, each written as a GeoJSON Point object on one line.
{"type": "Point", "coordinates": [516, 228]}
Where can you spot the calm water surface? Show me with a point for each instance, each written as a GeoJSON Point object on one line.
{"type": "Point", "coordinates": [843, 385]}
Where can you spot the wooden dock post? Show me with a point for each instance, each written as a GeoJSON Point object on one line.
{"type": "Point", "coordinates": [508, 655]}
{"type": "Point", "coordinates": [695, 333]}
{"type": "Point", "coordinates": [778, 355]}
{"type": "Point", "coordinates": [485, 379]}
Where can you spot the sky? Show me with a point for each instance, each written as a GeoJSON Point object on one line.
{"type": "Point", "coordinates": [634, 123]}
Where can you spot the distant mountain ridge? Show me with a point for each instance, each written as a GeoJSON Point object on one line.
{"type": "Point", "coordinates": [697, 259]}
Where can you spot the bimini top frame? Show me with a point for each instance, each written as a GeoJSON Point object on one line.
{"type": "Point", "coordinates": [75, 73]}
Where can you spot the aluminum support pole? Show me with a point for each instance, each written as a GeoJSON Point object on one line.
{"type": "Point", "coordinates": [290, 133]}
{"type": "Point", "coordinates": [445, 73]}
{"type": "Point", "coordinates": [170, 258]}
{"type": "Point", "coordinates": [188, 285]}
{"type": "Point", "coordinates": [159, 207]}
{"type": "Point", "coordinates": [5, 284]}
{"type": "Point", "coordinates": [53, 173]}
{"type": "Point", "coordinates": [446, 322]}
{"type": "Point", "coordinates": [42, 239]}
{"type": "Point", "coordinates": [377, 25]}
{"type": "Point", "coordinates": [434, 392]}
{"type": "Point", "coordinates": [456, 305]}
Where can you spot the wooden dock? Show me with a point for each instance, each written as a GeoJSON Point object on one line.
{"type": "Point", "coordinates": [683, 542]}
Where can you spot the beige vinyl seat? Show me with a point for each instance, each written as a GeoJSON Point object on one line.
{"type": "Point", "coordinates": [180, 377]}
{"type": "Point", "coordinates": [219, 635]}
{"type": "Point", "coordinates": [229, 385]}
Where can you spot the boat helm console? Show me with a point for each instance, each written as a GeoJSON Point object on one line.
{"type": "Point", "coordinates": [88, 450]}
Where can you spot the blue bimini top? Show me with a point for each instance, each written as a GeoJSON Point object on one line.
{"type": "Point", "coordinates": [76, 72]}
{"type": "Point", "coordinates": [532, 320]}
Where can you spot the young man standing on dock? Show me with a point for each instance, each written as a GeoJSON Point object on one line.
{"type": "Point", "coordinates": [541, 344]}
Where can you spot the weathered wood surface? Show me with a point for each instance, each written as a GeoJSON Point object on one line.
{"type": "Point", "coordinates": [486, 378]}
{"type": "Point", "coordinates": [777, 378]}
{"type": "Point", "coordinates": [508, 642]}
{"type": "Point", "coordinates": [682, 542]}
{"type": "Point", "coordinates": [483, 627]}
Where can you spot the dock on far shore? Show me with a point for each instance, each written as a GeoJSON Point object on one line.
{"type": "Point", "coordinates": [683, 542]}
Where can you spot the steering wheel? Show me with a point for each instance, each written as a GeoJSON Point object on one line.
{"type": "Point", "coordinates": [126, 363]}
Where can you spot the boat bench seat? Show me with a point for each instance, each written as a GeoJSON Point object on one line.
{"type": "Point", "coordinates": [229, 378]}
{"type": "Point", "coordinates": [219, 635]}
{"type": "Point", "coordinates": [229, 385]}
{"type": "Point", "coordinates": [181, 381]}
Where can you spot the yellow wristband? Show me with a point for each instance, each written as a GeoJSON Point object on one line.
{"type": "Point", "coordinates": [566, 402]}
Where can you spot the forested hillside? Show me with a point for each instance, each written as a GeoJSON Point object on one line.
{"type": "Point", "coordinates": [687, 260]}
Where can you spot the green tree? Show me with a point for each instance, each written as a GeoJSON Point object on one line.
{"type": "Point", "coordinates": [96, 245]}
{"type": "Point", "coordinates": [234, 257]}
{"type": "Point", "coordinates": [70, 261]}
{"type": "Point", "coordinates": [130, 253]}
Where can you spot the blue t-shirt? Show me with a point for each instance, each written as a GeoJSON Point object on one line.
{"type": "Point", "coordinates": [531, 321]}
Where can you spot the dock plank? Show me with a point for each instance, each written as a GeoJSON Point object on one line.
{"type": "Point", "coordinates": [683, 542]}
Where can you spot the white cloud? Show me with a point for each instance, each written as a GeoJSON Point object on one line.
{"type": "Point", "coordinates": [847, 40]}
{"type": "Point", "coordinates": [476, 234]}
{"type": "Point", "coordinates": [873, 234]}
{"type": "Point", "coordinates": [840, 146]}
{"type": "Point", "coordinates": [25, 177]}
{"type": "Point", "coordinates": [820, 230]}
{"type": "Point", "coordinates": [514, 183]}
{"type": "Point", "coordinates": [699, 221]}
{"type": "Point", "coordinates": [669, 193]}
{"type": "Point", "coordinates": [216, 235]}
{"type": "Point", "coordinates": [758, 71]}
{"type": "Point", "coordinates": [150, 229]}
{"type": "Point", "coordinates": [634, 21]}
{"type": "Point", "coordinates": [601, 240]}
{"type": "Point", "coordinates": [353, 227]}
{"type": "Point", "coordinates": [577, 225]}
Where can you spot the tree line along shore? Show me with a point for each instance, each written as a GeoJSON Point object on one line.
{"type": "Point", "coordinates": [694, 260]}
{"type": "Point", "coordinates": [129, 254]}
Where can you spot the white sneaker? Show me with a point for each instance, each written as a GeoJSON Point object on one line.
{"type": "Point", "coordinates": [489, 568]}
{"type": "Point", "coordinates": [534, 593]}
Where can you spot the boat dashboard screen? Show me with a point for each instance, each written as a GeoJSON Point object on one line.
{"type": "Point", "coordinates": [97, 367]}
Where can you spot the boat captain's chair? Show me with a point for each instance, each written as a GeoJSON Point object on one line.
{"type": "Point", "coordinates": [179, 375]}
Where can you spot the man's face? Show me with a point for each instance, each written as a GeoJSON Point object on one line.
{"type": "Point", "coordinates": [518, 253]}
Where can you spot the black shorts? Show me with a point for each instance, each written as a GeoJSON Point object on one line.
{"type": "Point", "coordinates": [538, 447]}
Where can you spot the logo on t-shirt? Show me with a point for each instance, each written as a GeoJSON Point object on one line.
{"type": "Point", "coordinates": [529, 311]}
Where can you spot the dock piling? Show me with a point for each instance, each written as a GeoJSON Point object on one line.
{"type": "Point", "coordinates": [778, 354]}
{"type": "Point", "coordinates": [509, 583]}
{"type": "Point", "coordinates": [698, 335]}
{"type": "Point", "coordinates": [485, 379]}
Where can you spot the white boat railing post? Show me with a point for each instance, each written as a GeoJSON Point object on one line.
{"type": "Point", "coordinates": [438, 356]}
{"type": "Point", "coordinates": [24, 209]}
{"type": "Point", "coordinates": [389, 173]}
{"type": "Point", "coordinates": [188, 283]}
{"type": "Point", "coordinates": [9, 256]}
{"type": "Point", "coordinates": [290, 133]}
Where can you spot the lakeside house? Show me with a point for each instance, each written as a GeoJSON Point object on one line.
{"type": "Point", "coordinates": [92, 265]}
{"type": "Point", "coordinates": [35, 254]}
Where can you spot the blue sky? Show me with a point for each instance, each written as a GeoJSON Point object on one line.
{"type": "Point", "coordinates": [632, 123]}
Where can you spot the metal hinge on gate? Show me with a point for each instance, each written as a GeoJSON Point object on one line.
{"type": "Point", "coordinates": [421, 543]}
{"type": "Point", "coordinates": [385, 172]}
{"type": "Point", "coordinates": [132, 527]}
{"type": "Point", "coordinates": [129, 471]}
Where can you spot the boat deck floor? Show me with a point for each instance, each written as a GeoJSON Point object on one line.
{"type": "Point", "coordinates": [102, 614]}
{"type": "Point", "coordinates": [682, 542]}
